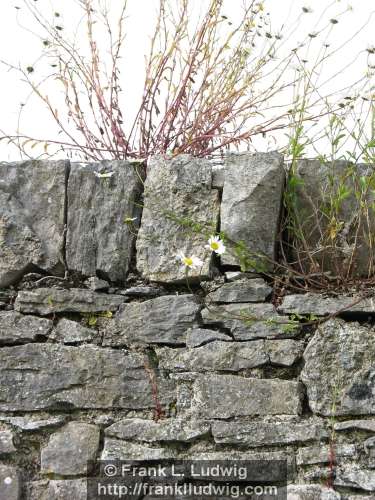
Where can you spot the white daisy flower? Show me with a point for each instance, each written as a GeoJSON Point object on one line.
{"type": "Point", "coordinates": [215, 244]}
{"type": "Point", "coordinates": [190, 262]}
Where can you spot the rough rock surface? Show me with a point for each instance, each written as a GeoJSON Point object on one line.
{"type": "Point", "coordinates": [16, 328]}
{"type": "Point", "coordinates": [10, 483]}
{"type": "Point", "coordinates": [260, 433]}
{"type": "Point", "coordinates": [53, 376]}
{"type": "Point", "coordinates": [177, 195]}
{"type": "Point", "coordinates": [230, 356]}
{"type": "Point", "coordinates": [168, 429]}
{"type": "Point", "coordinates": [311, 492]}
{"type": "Point", "coordinates": [118, 449]}
{"type": "Point", "coordinates": [66, 489]}
{"type": "Point", "coordinates": [322, 454]}
{"type": "Point", "coordinates": [249, 290]}
{"type": "Point", "coordinates": [70, 449]}
{"type": "Point", "coordinates": [339, 369]}
{"type": "Point", "coordinates": [6, 443]}
{"type": "Point", "coordinates": [52, 300]}
{"type": "Point", "coordinates": [353, 476]}
{"type": "Point", "coordinates": [30, 424]}
{"type": "Point", "coordinates": [101, 232]}
{"type": "Point", "coordinates": [27, 190]}
{"type": "Point", "coordinates": [250, 207]}
{"type": "Point", "coordinates": [360, 425]}
{"type": "Point", "coordinates": [313, 192]}
{"type": "Point", "coordinates": [71, 332]}
{"type": "Point", "coordinates": [225, 396]}
{"type": "Point", "coordinates": [249, 321]}
{"type": "Point", "coordinates": [196, 337]}
{"type": "Point", "coordinates": [313, 303]}
{"type": "Point", "coordinates": [163, 320]}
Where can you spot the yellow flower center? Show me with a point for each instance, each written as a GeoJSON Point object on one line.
{"type": "Point", "coordinates": [188, 261]}
{"type": "Point", "coordinates": [214, 245]}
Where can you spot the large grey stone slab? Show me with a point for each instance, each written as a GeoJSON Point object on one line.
{"type": "Point", "coordinates": [333, 246]}
{"type": "Point", "coordinates": [355, 476]}
{"type": "Point", "coordinates": [163, 320]}
{"type": "Point", "coordinates": [70, 449]}
{"type": "Point", "coordinates": [251, 202]}
{"type": "Point", "coordinates": [246, 290]}
{"type": "Point", "coordinates": [310, 455]}
{"type": "Point", "coordinates": [225, 396]}
{"type": "Point", "coordinates": [101, 234]}
{"type": "Point", "coordinates": [61, 489]}
{"type": "Point", "coordinates": [249, 321]}
{"type": "Point", "coordinates": [178, 204]}
{"type": "Point", "coordinates": [53, 376]}
{"type": "Point", "coordinates": [30, 424]}
{"type": "Point", "coordinates": [311, 492]}
{"type": "Point", "coordinates": [117, 449]}
{"type": "Point", "coordinates": [6, 442]}
{"type": "Point", "coordinates": [10, 483]}
{"type": "Point", "coordinates": [230, 356]}
{"type": "Point", "coordinates": [19, 328]}
{"type": "Point", "coordinates": [72, 332]}
{"type": "Point", "coordinates": [167, 429]}
{"type": "Point", "coordinates": [314, 303]}
{"type": "Point", "coordinates": [255, 434]}
{"type": "Point", "coordinates": [357, 425]}
{"type": "Point", "coordinates": [52, 300]}
{"type": "Point", "coordinates": [32, 208]}
{"type": "Point", "coordinates": [339, 369]}
{"type": "Point", "coordinates": [196, 337]}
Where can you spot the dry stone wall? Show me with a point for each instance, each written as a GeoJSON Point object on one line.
{"type": "Point", "coordinates": [106, 353]}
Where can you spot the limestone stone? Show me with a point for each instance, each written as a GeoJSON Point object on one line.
{"type": "Point", "coordinates": [16, 328]}
{"type": "Point", "coordinates": [196, 337]}
{"type": "Point", "coordinates": [167, 429]}
{"type": "Point", "coordinates": [30, 424]}
{"type": "Point", "coordinates": [322, 454]}
{"type": "Point", "coordinates": [360, 425]}
{"type": "Point", "coordinates": [225, 396]}
{"type": "Point", "coordinates": [71, 332]}
{"type": "Point", "coordinates": [27, 190]}
{"type": "Point", "coordinates": [230, 356]}
{"type": "Point", "coordinates": [177, 198]}
{"type": "Point", "coordinates": [249, 321]}
{"type": "Point", "coordinates": [257, 433]}
{"type": "Point", "coordinates": [116, 449]}
{"type": "Point", "coordinates": [54, 376]}
{"type": "Point", "coordinates": [163, 320]}
{"type": "Point", "coordinates": [319, 182]}
{"type": "Point", "coordinates": [249, 290]}
{"type": "Point", "coordinates": [101, 230]}
{"type": "Point", "coordinates": [96, 284]}
{"type": "Point", "coordinates": [311, 492]}
{"type": "Point", "coordinates": [314, 303]}
{"type": "Point", "coordinates": [143, 291]}
{"type": "Point", "coordinates": [6, 442]}
{"type": "Point", "coordinates": [10, 483]}
{"type": "Point", "coordinates": [251, 202]}
{"type": "Point", "coordinates": [355, 476]}
{"type": "Point", "coordinates": [70, 449]}
{"type": "Point", "coordinates": [51, 300]}
{"type": "Point", "coordinates": [68, 489]}
{"type": "Point", "coordinates": [339, 369]}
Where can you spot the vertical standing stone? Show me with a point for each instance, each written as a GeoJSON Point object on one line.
{"type": "Point", "coordinates": [32, 210]}
{"type": "Point", "coordinates": [250, 207]}
{"type": "Point", "coordinates": [180, 211]}
{"type": "Point", "coordinates": [103, 198]}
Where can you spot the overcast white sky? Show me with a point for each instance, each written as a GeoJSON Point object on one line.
{"type": "Point", "coordinates": [19, 47]}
